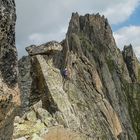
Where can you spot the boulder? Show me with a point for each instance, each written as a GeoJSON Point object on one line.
{"type": "Point", "coordinates": [31, 116]}
{"type": "Point", "coordinates": [48, 48]}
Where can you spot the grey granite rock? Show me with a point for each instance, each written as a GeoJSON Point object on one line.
{"type": "Point", "coordinates": [9, 91]}
{"type": "Point", "coordinates": [132, 62]}
{"type": "Point", "coordinates": [24, 82]}
{"type": "Point", "coordinates": [48, 48]}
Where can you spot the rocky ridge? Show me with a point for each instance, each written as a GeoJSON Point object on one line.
{"type": "Point", "coordinates": [98, 99]}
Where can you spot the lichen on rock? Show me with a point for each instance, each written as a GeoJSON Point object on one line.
{"type": "Point", "coordinates": [9, 91]}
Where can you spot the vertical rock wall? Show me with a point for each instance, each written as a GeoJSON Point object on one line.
{"type": "Point", "coordinates": [9, 91]}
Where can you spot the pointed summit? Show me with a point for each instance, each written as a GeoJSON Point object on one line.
{"type": "Point", "coordinates": [131, 62]}
{"type": "Point", "coordinates": [94, 27]}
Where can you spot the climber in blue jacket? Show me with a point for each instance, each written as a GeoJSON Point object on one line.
{"type": "Point", "coordinates": [65, 73]}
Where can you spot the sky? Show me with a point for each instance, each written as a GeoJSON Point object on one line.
{"type": "Point", "coordinates": [40, 21]}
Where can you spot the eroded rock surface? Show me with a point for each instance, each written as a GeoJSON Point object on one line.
{"type": "Point", "coordinates": [9, 91]}
{"type": "Point", "coordinates": [132, 63]}
{"type": "Point", "coordinates": [98, 99]}
{"type": "Point", "coordinates": [48, 48]}
{"type": "Point", "coordinates": [24, 82]}
{"type": "Point", "coordinates": [133, 89]}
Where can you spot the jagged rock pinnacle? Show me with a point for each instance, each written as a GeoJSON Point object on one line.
{"type": "Point", "coordinates": [131, 62]}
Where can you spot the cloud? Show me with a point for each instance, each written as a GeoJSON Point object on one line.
{"type": "Point", "coordinates": [44, 20]}
{"type": "Point", "coordinates": [129, 35]}
{"type": "Point", "coordinates": [120, 11]}
{"type": "Point", "coordinates": [37, 38]}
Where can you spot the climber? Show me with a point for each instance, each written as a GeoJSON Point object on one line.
{"type": "Point", "coordinates": [66, 73]}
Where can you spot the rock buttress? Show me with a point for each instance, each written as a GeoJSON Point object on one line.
{"type": "Point", "coordinates": [9, 91]}
{"type": "Point", "coordinates": [133, 88]}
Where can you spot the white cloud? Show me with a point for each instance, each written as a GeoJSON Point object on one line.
{"type": "Point", "coordinates": [48, 19]}
{"type": "Point", "coordinates": [38, 38]}
{"type": "Point", "coordinates": [129, 35]}
{"type": "Point", "coordinates": [120, 11]}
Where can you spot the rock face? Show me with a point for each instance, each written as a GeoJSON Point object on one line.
{"type": "Point", "coordinates": [9, 91]}
{"type": "Point", "coordinates": [133, 89]}
{"type": "Point", "coordinates": [50, 47]}
{"type": "Point", "coordinates": [24, 82]}
{"type": "Point", "coordinates": [132, 63]}
{"type": "Point", "coordinates": [97, 96]}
